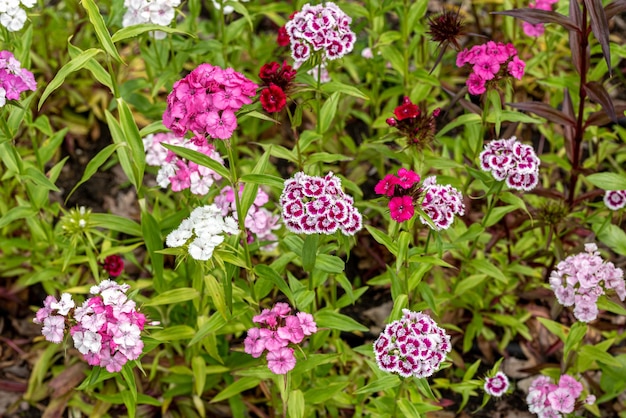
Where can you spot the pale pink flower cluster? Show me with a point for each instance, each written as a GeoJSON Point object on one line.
{"type": "Point", "coordinates": [412, 346]}
{"type": "Point", "coordinates": [548, 400]}
{"type": "Point", "coordinates": [538, 29]}
{"type": "Point", "coordinates": [496, 385]}
{"type": "Point", "coordinates": [202, 232]}
{"type": "Point", "coordinates": [511, 160]}
{"type": "Point", "coordinates": [177, 172]}
{"type": "Point", "coordinates": [490, 62]}
{"type": "Point", "coordinates": [205, 102]}
{"type": "Point", "coordinates": [107, 330]}
{"type": "Point", "coordinates": [13, 78]}
{"type": "Point", "coordinates": [259, 222]}
{"type": "Point", "coordinates": [277, 329]}
{"type": "Point", "coordinates": [157, 12]}
{"type": "Point", "coordinates": [318, 205]}
{"type": "Point", "coordinates": [12, 16]}
{"type": "Point", "coordinates": [323, 27]}
{"type": "Point", "coordinates": [441, 203]}
{"type": "Point", "coordinates": [581, 279]}
{"type": "Point", "coordinates": [615, 199]}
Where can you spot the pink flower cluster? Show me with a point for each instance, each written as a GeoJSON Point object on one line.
{"type": "Point", "coordinates": [107, 326]}
{"type": "Point", "coordinates": [322, 27]}
{"type": "Point", "coordinates": [412, 346]}
{"type": "Point", "coordinates": [538, 29]}
{"type": "Point", "coordinates": [490, 63]}
{"type": "Point", "coordinates": [550, 401]}
{"type": "Point", "coordinates": [581, 279]}
{"type": "Point", "coordinates": [511, 160]}
{"type": "Point", "coordinates": [318, 205]}
{"type": "Point", "coordinates": [205, 102]}
{"type": "Point", "coordinates": [277, 329]}
{"type": "Point", "coordinates": [259, 222]}
{"type": "Point", "coordinates": [13, 78]}
{"type": "Point", "coordinates": [440, 203]}
{"type": "Point", "coordinates": [496, 385]}
{"type": "Point", "coordinates": [177, 172]}
{"type": "Point", "coordinates": [615, 199]}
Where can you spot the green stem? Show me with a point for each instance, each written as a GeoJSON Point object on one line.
{"type": "Point", "coordinates": [397, 398]}
{"type": "Point", "coordinates": [492, 204]}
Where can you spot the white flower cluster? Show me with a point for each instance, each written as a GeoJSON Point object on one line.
{"type": "Point", "coordinates": [12, 16]}
{"type": "Point", "coordinates": [158, 12]}
{"type": "Point", "coordinates": [205, 227]}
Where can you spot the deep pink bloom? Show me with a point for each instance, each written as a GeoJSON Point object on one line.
{"type": "Point", "coordinates": [281, 361]}
{"type": "Point", "coordinates": [516, 68]}
{"type": "Point", "coordinates": [476, 84]}
{"type": "Point", "coordinates": [406, 110]}
{"type": "Point", "coordinates": [222, 125]}
{"type": "Point", "coordinates": [401, 208]}
{"type": "Point", "coordinates": [407, 178]}
{"type": "Point", "coordinates": [486, 67]}
{"type": "Point", "coordinates": [307, 323]}
{"type": "Point", "coordinates": [292, 330]}
{"type": "Point", "coordinates": [387, 185]}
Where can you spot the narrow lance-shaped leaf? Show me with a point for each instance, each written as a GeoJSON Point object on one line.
{"type": "Point", "coordinates": [614, 8]}
{"type": "Point", "coordinates": [600, 118]}
{"type": "Point", "coordinates": [200, 159]}
{"type": "Point", "coordinates": [536, 16]}
{"type": "Point", "coordinates": [102, 33]}
{"type": "Point", "coordinates": [568, 131]}
{"type": "Point", "coordinates": [600, 28]}
{"type": "Point", "coordinates": [94, 164]}
{"type": "Point", "coordinates": [75, 64]}
{"type": "Point", "coordinates": [598, 93]}
{"type": "Point", "coordinates": [546, 111]}
{"type": "Point", "coordinates": [575, 39]}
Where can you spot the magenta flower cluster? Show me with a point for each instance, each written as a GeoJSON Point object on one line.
{"type": "Point", "coordinates": [318, 205]}
{"type": "Point", "coordinates": [107, 327]}
{"type": "Point", "coordinates": [491, 62]}
{"type": "Point", "coordinates": [615, 199]}
{"type": "Point", "coordinates": [496, 385]}
{"type": "Point", "coordinates": [205, 102]}
{"type": "Point", "coordinates": [177, 172]}
{"type": "Point", "coordinates": [581, 279]}
{"type": "Point", "coordinates": [412, 346]}
{"type": "Point", "coordinates": [510, 160]}
{"type": "Point", "coordinates": [13, 78]}
{"type": "Point", "coordinates": [322, 27]}
{"type": "Point", "coordinates": [276, 331]}
{"type": "Point", "coordinates": [550, 401]}
{"type": "Point", "coordinates": [439, 202]}
{"type": "Point", "coordinates": [538, 29]}
{"type": "Point", "coordinates": [259, 221]}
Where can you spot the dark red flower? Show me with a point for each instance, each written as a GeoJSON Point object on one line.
{"type": "Point", "coordinates": [269, 72]}
{"type": "Point", "coordinates": [406, 111]}
{"type": "Point", "coordinates": [114, 265]}
{"type": "Point", "coordinates": [273, 98]}
{"type": "Point", "coordinates": [274, 73]}
{"type": "Point", "coordinates": [282, 38]}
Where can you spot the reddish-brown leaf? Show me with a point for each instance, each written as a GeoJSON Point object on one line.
{"type": "Point", "coordinates": [574, 38]}
{"type": "Point", "coordinates": [568, 131]}
{"type": "Point", "coordinates": [545, 111]}
{"type": "Point", "coordinates": [600, 28]}
{"type": "Point", "coordinates": [535, 16]}
{"type": "Point", "coordinates": [598, 93]}
{"type": "Point", "coordinates": [614, 8]}
{"type": "Point", "coordinates": [600, 118]}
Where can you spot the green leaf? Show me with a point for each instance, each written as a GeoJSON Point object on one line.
{"type": "Point", "coordinates": [485, 267]}
{"type": "Point", "coordinates": [237, 387]}
{"type": "Point", "coordinates": [327, 112]}
{"type": "Point", "coordinates": [470, 282]}
{"type": "Point", "coordinates": [597, 354]}
{"type": "Point", "coordinates": [607, 304]}
{"type": "Point", "coordinates": [576, 334]}
{"type": "Point", "coordinates": [123, 152]}
{"type": "Point", "coordinates": [268, 273]}
{"type": "Point", "coordinates": [264, 179]}
{"type": "Point", "coordinates": [383, 239]}
{"type": "Point", "coordinates": [131, 133]}
{"type": "Point", "coordinates": [154, 243]}
{"type": "Point", "coordinates": [250, 190]}
{"type": "Point", "coordinates": [136, 30]}
{"type": "Point", "coordinates": [295, 404]}
{"type": "Point", "coordinates": [215, 323]}
{"type": "Point", "coordinates": [608, 181]}
{"type": "Point", "coordinates": [94, 164]}
{"type": "Point", "coordinates": [216, 292]}
{"type": "Point", "coordinates": [102, 33]}
{"type": "Point", "coordinates": [336, 86]}
{"type": "Point", "coordinates": [15, 213]}
{"type": "Point", "coordinates": [324, 392]}
{"type": "Point", "coordinates": [309, 252]}
{"type": "Point", "coordinates": [129, 377]}
{"type": "Point", "coordinates": [325, 157]}
{"type": "Point", "coordinates": [329, 263]}
{"type": "Point", "coordinates": [96, 69]}
{"type": "Point", "coordinates": [326, 318]}
{"type": "Point", "coordinates": [198, 365]}
{"type": "Point", "coordinates": [554, 327]}
{"type": "Point", "coordinates": [200, 159]}
{"type": "Point", "coordinates": [389, 381]}
{"type": "Point", "coordinates": [174, 333]}
{"type": "Point", "coordinates": [614, 237]}
{"type": "Point", "coordinates": [116, 223]}
{"type": "Point", "coordinates": [173, 296]}
{"type": "Point", "coordinates": [129, 402]}
{"type": "Point", "coordinates": [39, 179]}
{"type": "Point", "coordinates": [73, 65]}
